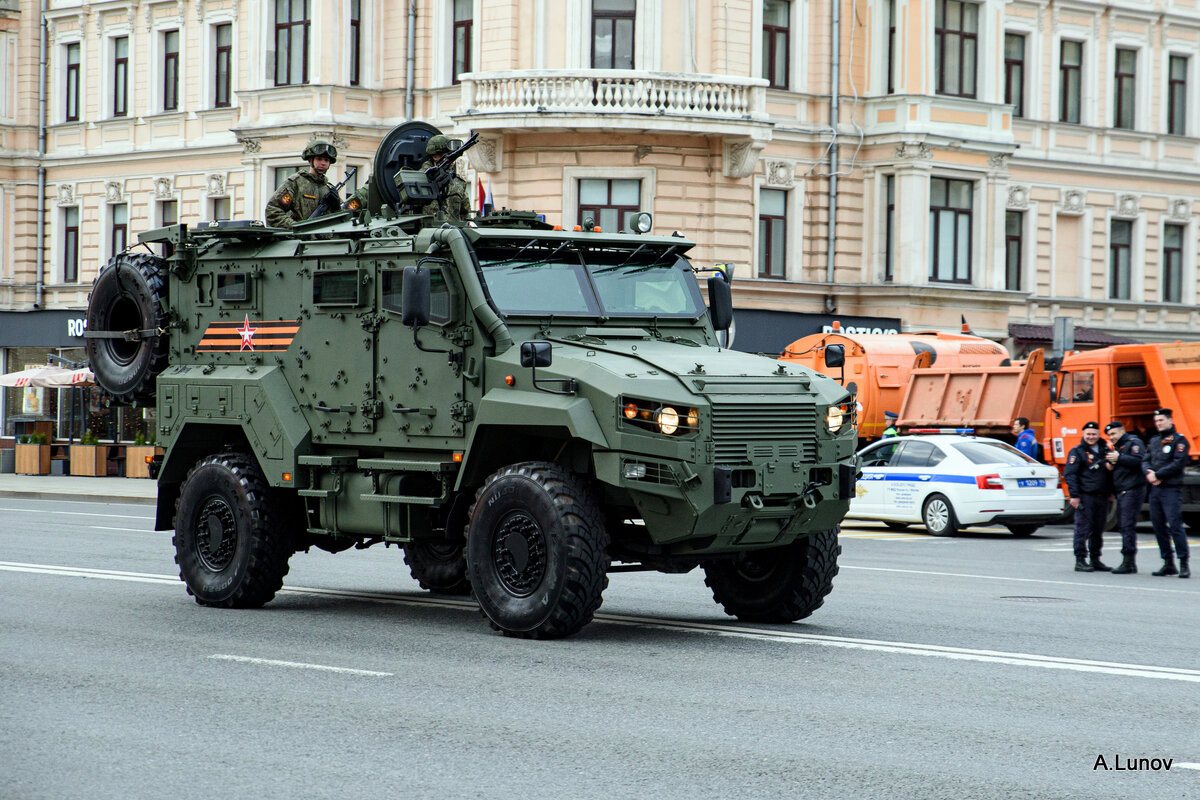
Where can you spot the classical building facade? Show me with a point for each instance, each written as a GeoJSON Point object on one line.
{"type": "Point", "coordinates": [1006, 161]}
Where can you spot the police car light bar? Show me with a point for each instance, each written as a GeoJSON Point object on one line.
{"type": "Point", "coordinates": [942, 430]}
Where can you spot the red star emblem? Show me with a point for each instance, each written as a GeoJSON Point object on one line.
{"type": "Point", "coordinates": [247, 334]}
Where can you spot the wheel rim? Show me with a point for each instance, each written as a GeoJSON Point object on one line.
{"type": "Point", "coordinates": [216, 534]}
{"type": "Point", "coordinates": [756, 568]}
{"type": "Point", "coordinates": [443, 552]}
{"type": "Point", "coordinates": [519, 553]}
{"type": "Point", "coordinates": [937, 516]}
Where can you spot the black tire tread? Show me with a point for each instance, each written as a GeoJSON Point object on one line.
{"type": "Point", "coordinates": [799, 593]}
{"type": "Point", "coordinates": [270, 547]}
{"type": "Point", "coordinates": [434, 574]}
{"type": "Point", "coordinates": [587, 548]}
{"type": "Point", "coordinates": [152, 271]}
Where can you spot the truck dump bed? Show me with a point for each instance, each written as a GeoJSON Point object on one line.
{"type": "Point", "coordinates": [985, 398]}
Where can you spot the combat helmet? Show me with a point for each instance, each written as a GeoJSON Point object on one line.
{"type": "Point", "coordinates": [438, 145]}
{"type": "Point", "coordinates": [319, 147]}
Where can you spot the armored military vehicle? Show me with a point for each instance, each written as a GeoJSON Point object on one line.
{"type": "Point", "coordinates": [522, 409]}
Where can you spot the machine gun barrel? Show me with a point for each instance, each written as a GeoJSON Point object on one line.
{"type": "Point", "coordinates": [440, 173]}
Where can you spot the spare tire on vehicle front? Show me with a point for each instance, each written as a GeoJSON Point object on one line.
{"type": "Point", "coordinates": [129, 296]}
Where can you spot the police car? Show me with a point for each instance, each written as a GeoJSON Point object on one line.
{"type": "Point", "coordinates": [948, 482]}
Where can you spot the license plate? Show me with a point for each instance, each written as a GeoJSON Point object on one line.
{"type": "Point", "coordinates": [1026, 482]}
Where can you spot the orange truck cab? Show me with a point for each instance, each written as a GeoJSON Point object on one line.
{"type": "Point", "coordinates": [879, 365]}
{"type": "Point", "coordinates": [1128, 382]}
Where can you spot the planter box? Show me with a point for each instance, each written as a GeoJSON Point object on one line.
{"type": "Point", "coordinates": [90, 460]}
{"type": "Point", "coordinates": [33, 459]}
{"type": "Point", "coordinates": [135, 460]}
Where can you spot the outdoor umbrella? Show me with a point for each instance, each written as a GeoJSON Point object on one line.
{"type": "Point", "coordinates": [50, 377]}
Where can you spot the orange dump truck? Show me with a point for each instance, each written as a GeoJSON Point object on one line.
{"type": "Point", "coordinates": [880, 365]}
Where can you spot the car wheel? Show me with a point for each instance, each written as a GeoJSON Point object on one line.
{"type": "Point", "coordinates": [938, 516]}
{"type": "Point", "coordinates": [896, 526]}
{"type": "Point", "coordinates": [1022, 529]}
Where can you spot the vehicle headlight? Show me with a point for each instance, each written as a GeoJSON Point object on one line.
{"type": "Point", "coordinates": [835, 418]}
{"type": "Point", "coordinates": [668, 420]}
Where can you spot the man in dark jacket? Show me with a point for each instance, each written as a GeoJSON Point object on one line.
{"type": "Point", "coordinates": [1165, 459]}
{"type": "Point", "coordinates": [1129, 484]}
{"type": "Point", "coordinates": [1089, 482]}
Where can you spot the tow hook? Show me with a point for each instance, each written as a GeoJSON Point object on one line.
{"type": "Point", "coordinates": [811, 494]}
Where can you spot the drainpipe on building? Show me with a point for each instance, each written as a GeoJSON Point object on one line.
{"type": "Point", "coordinates": [410, 68]}
{"type": "Point", "coordinates": [834, 91]}
{"type": "Point", "coordinates": [41, 204]}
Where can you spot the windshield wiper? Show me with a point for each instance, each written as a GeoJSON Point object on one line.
{"type": "Point", "coordinates": [531, 243]}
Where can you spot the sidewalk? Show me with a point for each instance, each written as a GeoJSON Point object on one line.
{"type": "Point", "coordinates": [64, 487]}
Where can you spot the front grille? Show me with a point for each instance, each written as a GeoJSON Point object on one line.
{"type": "Point", "coordinates": [764, 430]}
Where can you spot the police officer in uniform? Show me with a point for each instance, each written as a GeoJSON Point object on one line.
{"type": "Point", "coordinates": [1089, 482]}
{"type": "Point", "coordinates": [1129, 484]}
{"type": "Point", "coordinates": [457, 205]}
{"type": "Point", "coordinates": [1166, 456]}
{"type": "Point", "coordinates": [298, 196]}
{"type": "Point", "coordinates": [890, 430]}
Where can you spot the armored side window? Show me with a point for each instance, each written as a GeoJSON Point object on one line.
{"type": "Point", "coordinates": [337, 287]}
{"type": "Point", "coordinates": [439, 305]}
{"type": "Point", "coordinates": [233, 287]}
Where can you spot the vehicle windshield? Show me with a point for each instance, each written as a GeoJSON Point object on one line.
{"type": "Point", "coordinates": [991, 452]}
{"type": "Point", "coordinates": [562, 279]}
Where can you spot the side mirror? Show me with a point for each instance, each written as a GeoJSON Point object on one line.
{"type": "Point", "coordinates": [535, 354]}
{"type": "Point", "coordinates": [720, 303]}
{"type": "Point", "coordinates": [414, 297]}
{"type": "Point", "coordinates": [835, 355]}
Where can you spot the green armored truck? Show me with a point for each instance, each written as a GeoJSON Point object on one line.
{"type": "Point", "coordinates": [522, 409]}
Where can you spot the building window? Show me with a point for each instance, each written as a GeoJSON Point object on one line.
{"type": "Point", "coordinates": [1172, 269]}
{"type": "Point", "coordinates": [170, 70]}
{"type": "Point", "coordinates": [950, 214]}
{"type": "Point", "coordinates": [220, 208]}
{"type": "Point", "coordinates": [355, 28]}
{"type": "Point", "coordinates": [1070, 79]}
{"type": "Point", "coordinates": [222, 63]}
{"type": "Point", "coordinates": [291, 42]}
{"type": "Point", "coordinates": [772, 233]}
{"type": "Point", "coordinates": [1014, 222]}
{"type": "Point", "coordinates": [71, 90]}
{"type": "Point", "coordinates": [1120, 258]}
{"type": "Point", "coordinates": [1124, 78]}
{"type": "Point", "coordinates": [612, 34]}
{"type": "Point", "coordinates": [461, 51]}
{"type": "Point", "coordinates": [891, 47]}
{"type": "Point", "coordinates": [1177, 96]}
{"type": "Point", "coordinates": [281, 174]}
{"type": "Point", "coordinates": [168, 214]}
{"type": "Point", "coordinates": [956, 35]}
{"type": "Point", "coordinates": [71, 244]}
{"type": "Point", "coordinates": [889, 247]}
{"type": "Point", "coordinates": [120, 105]}
{"type": "Point", "coordinates": [609, 202]}
{"type": "Point", "coordinates": [119, 235]}
{"type": "Point", "coordinates": [776, 25]}
{"type": "Point", "coordinates": [1014, 72]}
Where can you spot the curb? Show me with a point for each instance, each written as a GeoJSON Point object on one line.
{"type": "Point", "coordinates": [78, 498]}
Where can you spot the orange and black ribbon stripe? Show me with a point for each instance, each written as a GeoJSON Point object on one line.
{"type": "Point", "coordinates": [270, 336]}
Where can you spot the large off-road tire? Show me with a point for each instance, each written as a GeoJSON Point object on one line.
{"type": "Point", "coordinates": [1192, 520]}
{"type": "Point", "coordinates": [896, 526]}
{"type": "Point", "coordinates": [129, 294]}
{"type": "Point", "coordinates": [231, 544]}
{"type": "Point", "coordinates": [1023, 528]}
{"type": "Point", "coordinates": [537, 551]}
{"type": "Point", "coordinates": [779, 584]}
{"type": "Point", "coordinates": [439, 566]}
{"type": "Point", "coordinates": [938, 516]}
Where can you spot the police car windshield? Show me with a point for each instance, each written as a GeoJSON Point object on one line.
{"type": "Point", "coordinates": [990, 452]}
{"type": "Point", "coordinates": [598, 282]}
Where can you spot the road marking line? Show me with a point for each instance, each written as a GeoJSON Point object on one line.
{"type": "Point", "coordinates": [135, 530]}
{"type": "Point", "coordinates": [1187, 765]}
{"type": "Point", "coordinates": [1086, 584]}
{"type": "Point", "coordinates": [73, 513]}
{"type": "Point", "coordinates": [731, 630]}
{"type": "Point", "coordinates": [270, 662]}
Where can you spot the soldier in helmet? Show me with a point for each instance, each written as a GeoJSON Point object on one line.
{"type": "Point", "coordinates": [299, 195]}
{"type": "Point", "coordinates": [457, 205]}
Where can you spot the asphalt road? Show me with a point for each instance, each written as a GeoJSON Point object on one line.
{"type": "Point", "coordinates": [974, 667]}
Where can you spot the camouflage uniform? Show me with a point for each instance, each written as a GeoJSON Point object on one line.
{"type": "Point", "coordinates": [457, 204]}
{"type": "Point", "coordinates": [298, 196]}
{"type": "Point", "coordinates": [296, 199]}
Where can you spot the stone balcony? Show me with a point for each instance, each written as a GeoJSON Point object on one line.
{"type": "Point", "coordinates": [627, 101]}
